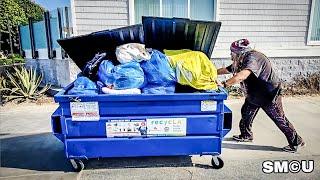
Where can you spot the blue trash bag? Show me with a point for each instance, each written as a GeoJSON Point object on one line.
{"type": "Point", "coordinates": [100, 85]}
{"type": "Point", "coordinates": [158, 70]}
{"type": "Point", "coordinates": [128, 76]}
{"type": "Point", "coordinates": [105, 73]}
{"type": "Point", "coordinates": [83, 86]}
{"type": "Point", "coordinates": [158, 89]}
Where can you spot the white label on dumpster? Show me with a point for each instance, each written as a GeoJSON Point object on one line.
{"type": "Point", "coordinates": [126, 128]}
{"type": "Point", "coordinates": [208, 105]}
{"type": "Point", "coordinates": [84, 111]}
{"type": "Point", "coordinates": [167, 127]}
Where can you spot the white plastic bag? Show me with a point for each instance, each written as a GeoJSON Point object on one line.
{"type": "Point", "coordinates": [132, 52]}
{"type": "Point", "coordinates": [107, 90]}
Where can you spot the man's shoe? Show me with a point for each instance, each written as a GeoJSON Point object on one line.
{"type": "Point", "coordinates": [240, 138]}
{"type": "Point", "coordinates": [293, 149]}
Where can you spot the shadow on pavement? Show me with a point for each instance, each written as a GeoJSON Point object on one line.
{"type": "Point", "coordinates": [250, 147]}
{"type": "Point", "coordinates": [4, 134]}
{"type": "Point", "coordinates": [44, 152]}
{"type": "Point", "coordinates": [139, 162]}
{"type": "Point", "coordinates": [229, 139]}
{"type": "Point", "coordinates": [41, 152]}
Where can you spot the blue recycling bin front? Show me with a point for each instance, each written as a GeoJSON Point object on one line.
{"type": "Point", "coordinates": [103, 125]}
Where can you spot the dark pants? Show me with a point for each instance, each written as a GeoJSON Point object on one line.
{"type": "Point", "coordinates": [275, 111]}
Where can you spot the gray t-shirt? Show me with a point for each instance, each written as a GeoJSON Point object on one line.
{"type": "Point", "coordinates": [262, 85]}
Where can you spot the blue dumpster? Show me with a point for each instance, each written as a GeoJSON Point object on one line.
{"type": "Point", "coordinates": [142, 125]}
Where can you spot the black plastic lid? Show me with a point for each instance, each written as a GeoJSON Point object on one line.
{"type": "Point", "coordinates": [82, 49]}
{"type": "Point", "coordinates": [179, 33]}
{"type": "Point", "coordinates": [158, 33]}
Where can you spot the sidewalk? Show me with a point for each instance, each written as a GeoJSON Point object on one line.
{"type": "Point", "coordinates": [30, 151]}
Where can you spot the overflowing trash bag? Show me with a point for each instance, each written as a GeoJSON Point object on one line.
{"type": "Point", "coordinates": [160, 76]}
{"type": "Point", "coordinates": [123, 76]}
{"type": "Point", "coordinates": [132, 52]}
{"type": "Point", "coordinates": [193, 68]}
{"type": "Point", "coordinates": [100, 85]}
{"type": "Point", "coordinates": [128, 76]}
{"type": "Point", "coordinates": [158, 70]}
{"type": "Point", "coordinates": [90, 70]}
{"type": "Point", "coordinates": [157, 89]}
{"type": "Point", "coordinates": [83, 86]}
{"type": "Point", "coordinates": [105, 73]}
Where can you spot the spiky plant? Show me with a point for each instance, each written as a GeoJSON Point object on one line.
{"type": "Point", "coordinates": [23, 84]}
{"type": "Point", "coordinates": [3, 82]}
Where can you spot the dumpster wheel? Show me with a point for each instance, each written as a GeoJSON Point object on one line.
{"type": "Point", "coordinates": [217, 162]}
{"type": "Point", "coordinates": [77, 164]}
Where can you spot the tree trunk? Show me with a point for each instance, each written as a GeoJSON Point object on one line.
{"type": "Point", "coordinates": [0, 41]}
{"type": "Point", "coordinates": [10, 40]}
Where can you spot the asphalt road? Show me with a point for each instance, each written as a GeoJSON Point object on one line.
{"type": "Point", "coordinates": [30, 151]}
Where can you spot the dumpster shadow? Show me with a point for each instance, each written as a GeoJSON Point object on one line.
{"type": "Point", "coordinates": [250, 147]}
{"type": "Point", "coordinates": [139, 162]}
{"type": "Point", "coordinates": [4, 134]}
{"type": "Point", "coordinates": [44, 152]}
{"type": "Point", "coordinates": [41, 152]}
{"type": "Point", "coordinates": [143, 162]}
{"type": "Point", "coordinates": [229, 139]}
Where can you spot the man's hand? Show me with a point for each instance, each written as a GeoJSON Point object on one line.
{"type": "Point", "coordinates": [222, 71]}
{"type": "Point", "coordinates": [219, 83]}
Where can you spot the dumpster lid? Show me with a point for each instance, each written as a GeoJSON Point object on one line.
{"type": "Point", "coordinates": [82, 49]}
{"type": "Point", "coordinates": [180, 33]}
{"type": "Point", "coordinates": [155, 32]}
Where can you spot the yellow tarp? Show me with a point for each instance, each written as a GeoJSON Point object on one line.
{"type": "Point", "coordinates": [193, 68]}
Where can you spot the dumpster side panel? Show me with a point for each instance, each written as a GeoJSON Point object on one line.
{"type": "Point", "coordinates": [57, 124]}
{"type": "Point", "coordinates": [227, 121]}
{"type": "Point", "coordinates": [196, 125]}
{"type": "Point", "coordinates": [135, 147]}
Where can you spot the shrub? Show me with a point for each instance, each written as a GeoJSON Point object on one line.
{"type": "Point", "coordinates": [11, 59]}
{"type": "Point", "coordinates": [303, 85]}
{"type": "Point", "coordinates": [22, 85]}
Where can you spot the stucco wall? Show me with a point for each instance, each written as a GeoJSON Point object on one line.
{"type": "Point", "coordinates": [57, 72]}
{"type": "Point", "coordinates": [286, 68]}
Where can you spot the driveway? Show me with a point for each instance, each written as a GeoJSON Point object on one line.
{"type": "Point", "coordinates": [30, 151]}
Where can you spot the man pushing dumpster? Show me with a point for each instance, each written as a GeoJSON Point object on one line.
{"type": "Point", "coordinates": [254, 72]}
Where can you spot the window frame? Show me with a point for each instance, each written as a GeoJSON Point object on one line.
{"type": "Point", "coordinates": [132, 13]}
{"type": "Point", "coordinates": [309, 41]}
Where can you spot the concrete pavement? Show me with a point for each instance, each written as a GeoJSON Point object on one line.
{"type": "Point", "coordinates": [29, 151]}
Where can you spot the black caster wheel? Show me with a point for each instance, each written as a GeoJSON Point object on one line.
{"type": "Point", "coordinates": [216, 162]}
{"type": "Point", "coordinates": [77, 164]}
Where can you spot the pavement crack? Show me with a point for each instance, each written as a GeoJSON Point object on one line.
{"type": "Point", "coordinates": [190, 172]}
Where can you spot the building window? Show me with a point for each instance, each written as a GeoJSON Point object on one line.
{"type": "Point", "coordinates": [314, 24]}
{"type": "Point", "coordinates": [193, 9]}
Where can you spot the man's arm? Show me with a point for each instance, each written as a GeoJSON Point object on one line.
{"type": "Point", "coordinates": [240, 76]}
{"type": "Point", "coordinates": [223, 71]}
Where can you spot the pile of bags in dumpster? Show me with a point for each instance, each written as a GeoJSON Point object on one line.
{"type": "Point", "coordinates": [147, 71]}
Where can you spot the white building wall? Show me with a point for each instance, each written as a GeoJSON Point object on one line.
{"type": "Point", "coordinates": [96, 15]}
{"type": "Point", "coordinates": [278, 27]}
